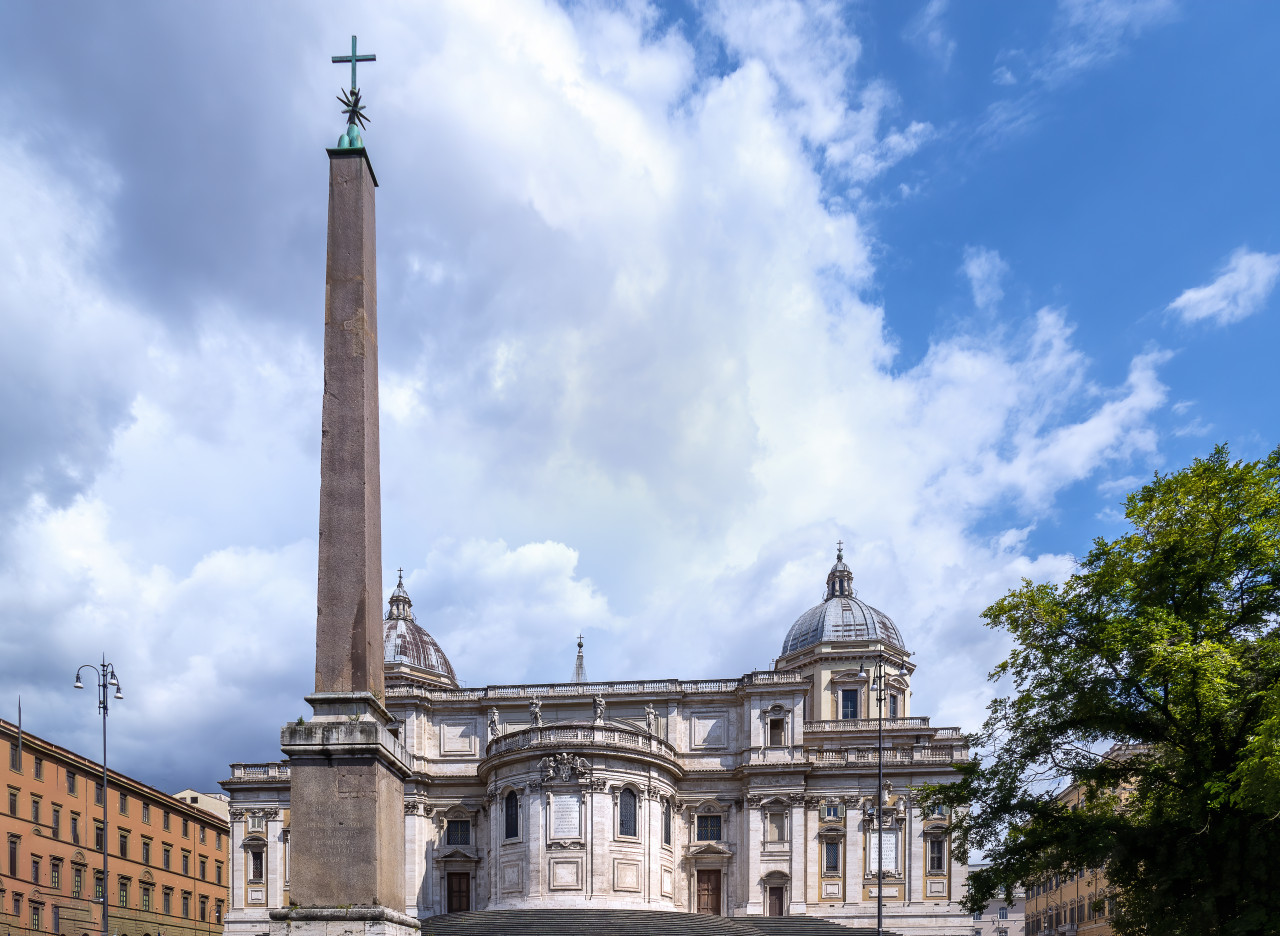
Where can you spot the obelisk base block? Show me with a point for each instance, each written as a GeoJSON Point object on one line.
{"type": "Point", "coordinates": [346, 792]}
{"type": "Point", "coordinates": [342, 921]}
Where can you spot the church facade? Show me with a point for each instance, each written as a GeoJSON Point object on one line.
{"type": "Point", "coordinates": [755, 795]}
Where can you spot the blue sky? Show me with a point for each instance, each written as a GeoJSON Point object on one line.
{"type": "Point", "coordinates": [671, 298]}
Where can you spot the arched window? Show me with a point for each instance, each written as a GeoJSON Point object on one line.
{"type": "Point", "coordinates": [627, 813]}
{"type": "Point", "coordinates": [513, 815]}
{"type": "Point", "coordinates": [666, 823]}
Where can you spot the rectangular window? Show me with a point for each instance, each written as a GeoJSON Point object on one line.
{"type": "Point", "coordinates": [186, 904]}
{"type": "Point", "coordinates": [35, 917]}
{"type": "Point", "coordinates": [55, 822]}
{"type": "Point", "coordinates": [937, 855]}
{"type": "Point", "coordinates": [124, 805]}
{"type": "Point", "coordinates": [124, 893]}
{"type": "Point", "coordinates": [37, 768]}
{"type": "Point", "coordinates": [186, 863]}
{"type": "Point", "coordinates": [57, 918]}
{"type": "Point", "coordinates": [97, 885]}
{"type": "Point", "coordinates": [776, 729]}
{"type": "Point", "coordinates": [217, 840]}
{"type": "Point", "coordinates": [15, 762]}
{"type": "Point", "coordinates": [257, 824]}
{"type": "Point", "coordinates": [458, 832]}
{"type": "Point", "coordinates": [164, 821]}
{"type": "Point", "coordinates": [776, 826]}
{"type": "Point", "coordinates": [204, 908]}
{"type": "Point", "coordinates": [204, 865]}
{"type": "Point", "coordinates": [708, 829]}
{"type": "Point", "coordinates": [55, 873]}
{"type": "Point", "coordinates": [166, 900]}
{"type": "Point", "coordinates": [186, 828]}
{"type": "Point", "coordinates": [35, 870]}
{"type": "Point", "coordinates": [848, 704]}
{"type": "Point", "coordinates": [71, 784]}
{"type": "Point", "coordinates": [666, 824]}
{"type": "Point", "coordinates": [1003, 913]}
{"type": "Point", "coordinates": [35, 809]}
{"type": "Point", "coordinates": [166, 858]}
{"type": "Point", "coordinates": [17, 904]}
{"type": "Point", "coordinates": [13, 802]}
{"type": "Point", "coordinates": [77, 881]}
{"type": "Point", "coordinates": [124, 844]}
{"type": "Point", "coordinates": [217, 872]}
{"type": "Point", "coordinates": [256, 865]}
{"type": "Point", "coordinates": [202, 835]}
{"type": "Point", "coordinates": [146, 813]}
{"type": "Point", "coordinates": [13, 855]}
{"type": "Point", "coordinates": [146, 900]}
{"type": "Point", "coordinates": [99, 795]}
{"type": "Point", "coordinates": [146, 851]}
{"type": "Point", "coordinates": [830, 857]}
{"type": "Point", "coordinates": [217, 912]}
{"type": "Point", "coordinates": [97, 836]}
{"type": "Point", "coordinates": [893, 705]}
{"type": "Point", "coordinates": [75, 829]}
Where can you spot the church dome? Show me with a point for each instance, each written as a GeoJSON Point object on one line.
{"type": "Point", "coordinates": [841, 616]}
{"type": "Point", "coordinates": [403, 641]}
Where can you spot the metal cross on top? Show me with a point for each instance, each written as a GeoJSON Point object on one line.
{"type": "Point", "coordinates": [353, 59]}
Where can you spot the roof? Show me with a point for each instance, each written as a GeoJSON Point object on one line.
{"type": "Point", "coordinates": [842, 615]}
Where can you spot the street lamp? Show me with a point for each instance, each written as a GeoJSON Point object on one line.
{"type": "Point", "coordinates": [878, 684]}
{"type": "Point", "coordinates": [106, 674]}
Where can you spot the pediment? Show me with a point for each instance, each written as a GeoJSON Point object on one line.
{"type": "Point", "coordinates": [709, 849]}
{"type": "Point", "coordinates": [849, 676]}
{"type": "Point", "coordinates": [456, 853]}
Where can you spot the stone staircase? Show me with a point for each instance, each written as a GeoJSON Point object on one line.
{"type": "Point", "coordinates": [630, 923]}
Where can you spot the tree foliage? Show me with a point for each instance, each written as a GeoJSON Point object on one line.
{"type": "Point", "coordinates": [1166, 639]}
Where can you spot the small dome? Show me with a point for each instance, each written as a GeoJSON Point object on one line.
{"type": "Point", "coordinates": [841, 616]}
{"type": "Point", "coordinates": [403, 641]}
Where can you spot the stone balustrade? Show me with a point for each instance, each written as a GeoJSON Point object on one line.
{"type": "Point", "coordinates": [859, 757]}
{"type": "Point", "coordinates": [268, 771]}
{"type": "Point", "coordinates": [868, 724]}
{"type": "Point", "coordinates": [642, 687]}
{"type": "Point", "coordinates": [580, 735]}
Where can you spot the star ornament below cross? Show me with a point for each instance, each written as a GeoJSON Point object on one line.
{"type": "Point", "coordinates": [353, 108]}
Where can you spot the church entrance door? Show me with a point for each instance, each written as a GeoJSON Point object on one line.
{"type": "Point", "coordinates": [775, 901]}
{"type": "Point", "coordinates": [709, 892]}
{"type": "Point", "coordinates": [459, 891]}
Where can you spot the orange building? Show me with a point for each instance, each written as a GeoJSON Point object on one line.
{"type": "Point", "coordinates": [168, 860]}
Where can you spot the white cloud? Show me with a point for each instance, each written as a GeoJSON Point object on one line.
{"type": "Point", "coordinates": [1243, 285]}
{"type": "Point", "coordinates": [928, 31]}
{"type": "Point", "coordinates": [1003, 76]}
{"type": "Point", "coordinates": [1088, 33]}
{"type": "Point", "coordinates": [985, 269]}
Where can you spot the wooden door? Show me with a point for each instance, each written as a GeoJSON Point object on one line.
{"type": "Point", "coordinates": [775, 901]}
{"type": "Point", "coordinates": [709, 892]}
{"type": "Point", "coordinates": [459, 892]}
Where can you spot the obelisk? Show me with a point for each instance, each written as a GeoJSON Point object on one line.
{"type": "Point", "coordinates": [347, 770]}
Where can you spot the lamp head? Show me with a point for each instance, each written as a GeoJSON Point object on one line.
{"type": "Point", "coordinates": [119, 693]}
{"type": "Point", "coordinates": [113, 681]}
{"type": "Point", "coordinates": [79, 684]}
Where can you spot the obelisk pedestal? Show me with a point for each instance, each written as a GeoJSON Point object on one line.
{"type": "Point", "coordinates": [347, 770]}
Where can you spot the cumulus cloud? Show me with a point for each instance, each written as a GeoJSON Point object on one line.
{"type": "Point", "coordinates": [985, 269]}
{"type": "Point", "coordinates": [1242, 287]}
{"type": "Point", "coordinates": [632, 385]}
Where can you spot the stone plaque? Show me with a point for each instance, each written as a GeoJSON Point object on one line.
{"type": "Point", "coordinates": [937, 889]}
{"type": "Point", "coordinates": [626, 875]}
{"type": "Point", "coordinates": [710, 729]}
{"type": "Point", "coordinates": [512, 882]}
{"type": "Point", "coordinates": [566, 873]}
{"type": "Point", "coordinates": [830, 890]}
{"type": "Point", "coordinates": [566, 815]}
{"type": "Point", "coordinates": [668, 882]}
{"type": "Point", "coordinates": [890, 851]}
{"type": "Point", "coordinates": [458, 737]}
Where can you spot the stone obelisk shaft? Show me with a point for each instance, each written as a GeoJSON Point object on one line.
{"type": "Point", "coordinates": [349, 593]}
{"type": "Point", "coordinates": [347, 770]}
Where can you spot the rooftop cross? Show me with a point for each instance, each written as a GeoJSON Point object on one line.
{"type": "Point", "coordinates": [353, 59]}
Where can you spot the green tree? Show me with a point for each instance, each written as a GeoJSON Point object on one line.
{"type": "Point", "coordinates": [1167, 639]}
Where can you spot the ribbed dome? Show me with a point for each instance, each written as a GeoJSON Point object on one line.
{"type": "Point", "coordinates": [403, 641]}
{"type": "Point", "coordinates": [841, 616]}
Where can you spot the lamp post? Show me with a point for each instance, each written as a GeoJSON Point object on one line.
{"type": "Point", "coordinates": [106, 674]}
{"type": "Point", "coordinates": [878, 684]}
